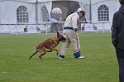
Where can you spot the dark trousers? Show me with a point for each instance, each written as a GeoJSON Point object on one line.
{"type": "Point", "coordinates": [54, 27]}
{"type": "Point", "coordinates": [120, 58]}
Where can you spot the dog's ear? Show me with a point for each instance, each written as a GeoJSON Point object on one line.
{"type": "Point", "coordinates": [58, 34]}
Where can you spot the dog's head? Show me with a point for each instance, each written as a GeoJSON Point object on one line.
{"type": "Point", "coordinates": [60, 37]}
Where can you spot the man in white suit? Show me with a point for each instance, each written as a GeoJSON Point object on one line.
{"type": "Point", "coordinates": [71, 35]}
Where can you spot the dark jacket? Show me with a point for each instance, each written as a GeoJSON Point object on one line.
{"type": "Point", "coordinates": [118, 28]}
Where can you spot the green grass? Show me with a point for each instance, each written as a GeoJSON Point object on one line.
{"type": "Point", "coordinates": [99, 65]}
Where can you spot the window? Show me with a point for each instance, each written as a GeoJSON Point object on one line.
{"type": "Point", "coordinates": [22, 14]}
{"type": "Point", "coordinates": [103, 13]}
{"type": "Point", "coordinates": [45, 14]}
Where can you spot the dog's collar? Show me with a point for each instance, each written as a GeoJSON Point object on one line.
{"type": "Point", "coordinates": [57, 41]}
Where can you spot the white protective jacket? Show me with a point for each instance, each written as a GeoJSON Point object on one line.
{"type": "Point", "coordinates": [72, 20]}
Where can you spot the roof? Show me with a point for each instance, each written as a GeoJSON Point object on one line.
{"type": "Point", "coordinates": [83, 1]}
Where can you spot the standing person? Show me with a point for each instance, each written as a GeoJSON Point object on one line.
{"type": "Point", "coordinates": [71, 35]}
{"type": "Point", "coordinates": [118, 38]}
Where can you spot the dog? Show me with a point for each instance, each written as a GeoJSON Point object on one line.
{"type": "Point", "coordinates": [48, 45]}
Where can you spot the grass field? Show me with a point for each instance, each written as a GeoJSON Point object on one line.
{"type": "Point", "coordinates": [99, 65]}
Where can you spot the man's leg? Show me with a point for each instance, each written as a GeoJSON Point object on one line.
{"type": "Point", "coordinates": [120, 57]}
{"type": "Point", "coordinates": [121, 69]}
{"type": "Point", "coordinates": [56, 27]}
{"type": "Point", "coordinates": [76, 44]}
{"type": "Point", "coordinates": [64, 47]}
{"type": "Point", "coordinates": [52, 26]}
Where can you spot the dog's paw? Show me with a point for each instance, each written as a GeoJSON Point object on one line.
{"type": "Point", "coordinates": [40, 57]}
{"type": "Point", "coordinates": [30, 58]}
{"type": "Point", "coordinates": [57, 53]}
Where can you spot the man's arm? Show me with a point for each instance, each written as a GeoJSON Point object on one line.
{"type": "Point", "coordinates": [115, 30]}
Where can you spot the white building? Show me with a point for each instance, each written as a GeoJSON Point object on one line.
{"type": "Point", "coordinates": [16, 15]}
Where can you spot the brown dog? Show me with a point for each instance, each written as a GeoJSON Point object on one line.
{"type": "Point", "coordinates": [50, 44]}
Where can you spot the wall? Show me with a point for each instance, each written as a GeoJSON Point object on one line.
{"type": "Point", "coordinates": [112, 9]}
{"type": "Point", "coordinates": [64, 6]}
{"type": "Point", "coordinates": [8, 11]}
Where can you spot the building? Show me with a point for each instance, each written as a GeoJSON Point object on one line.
{"type": "Point", "coordinates": [19, 16]}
